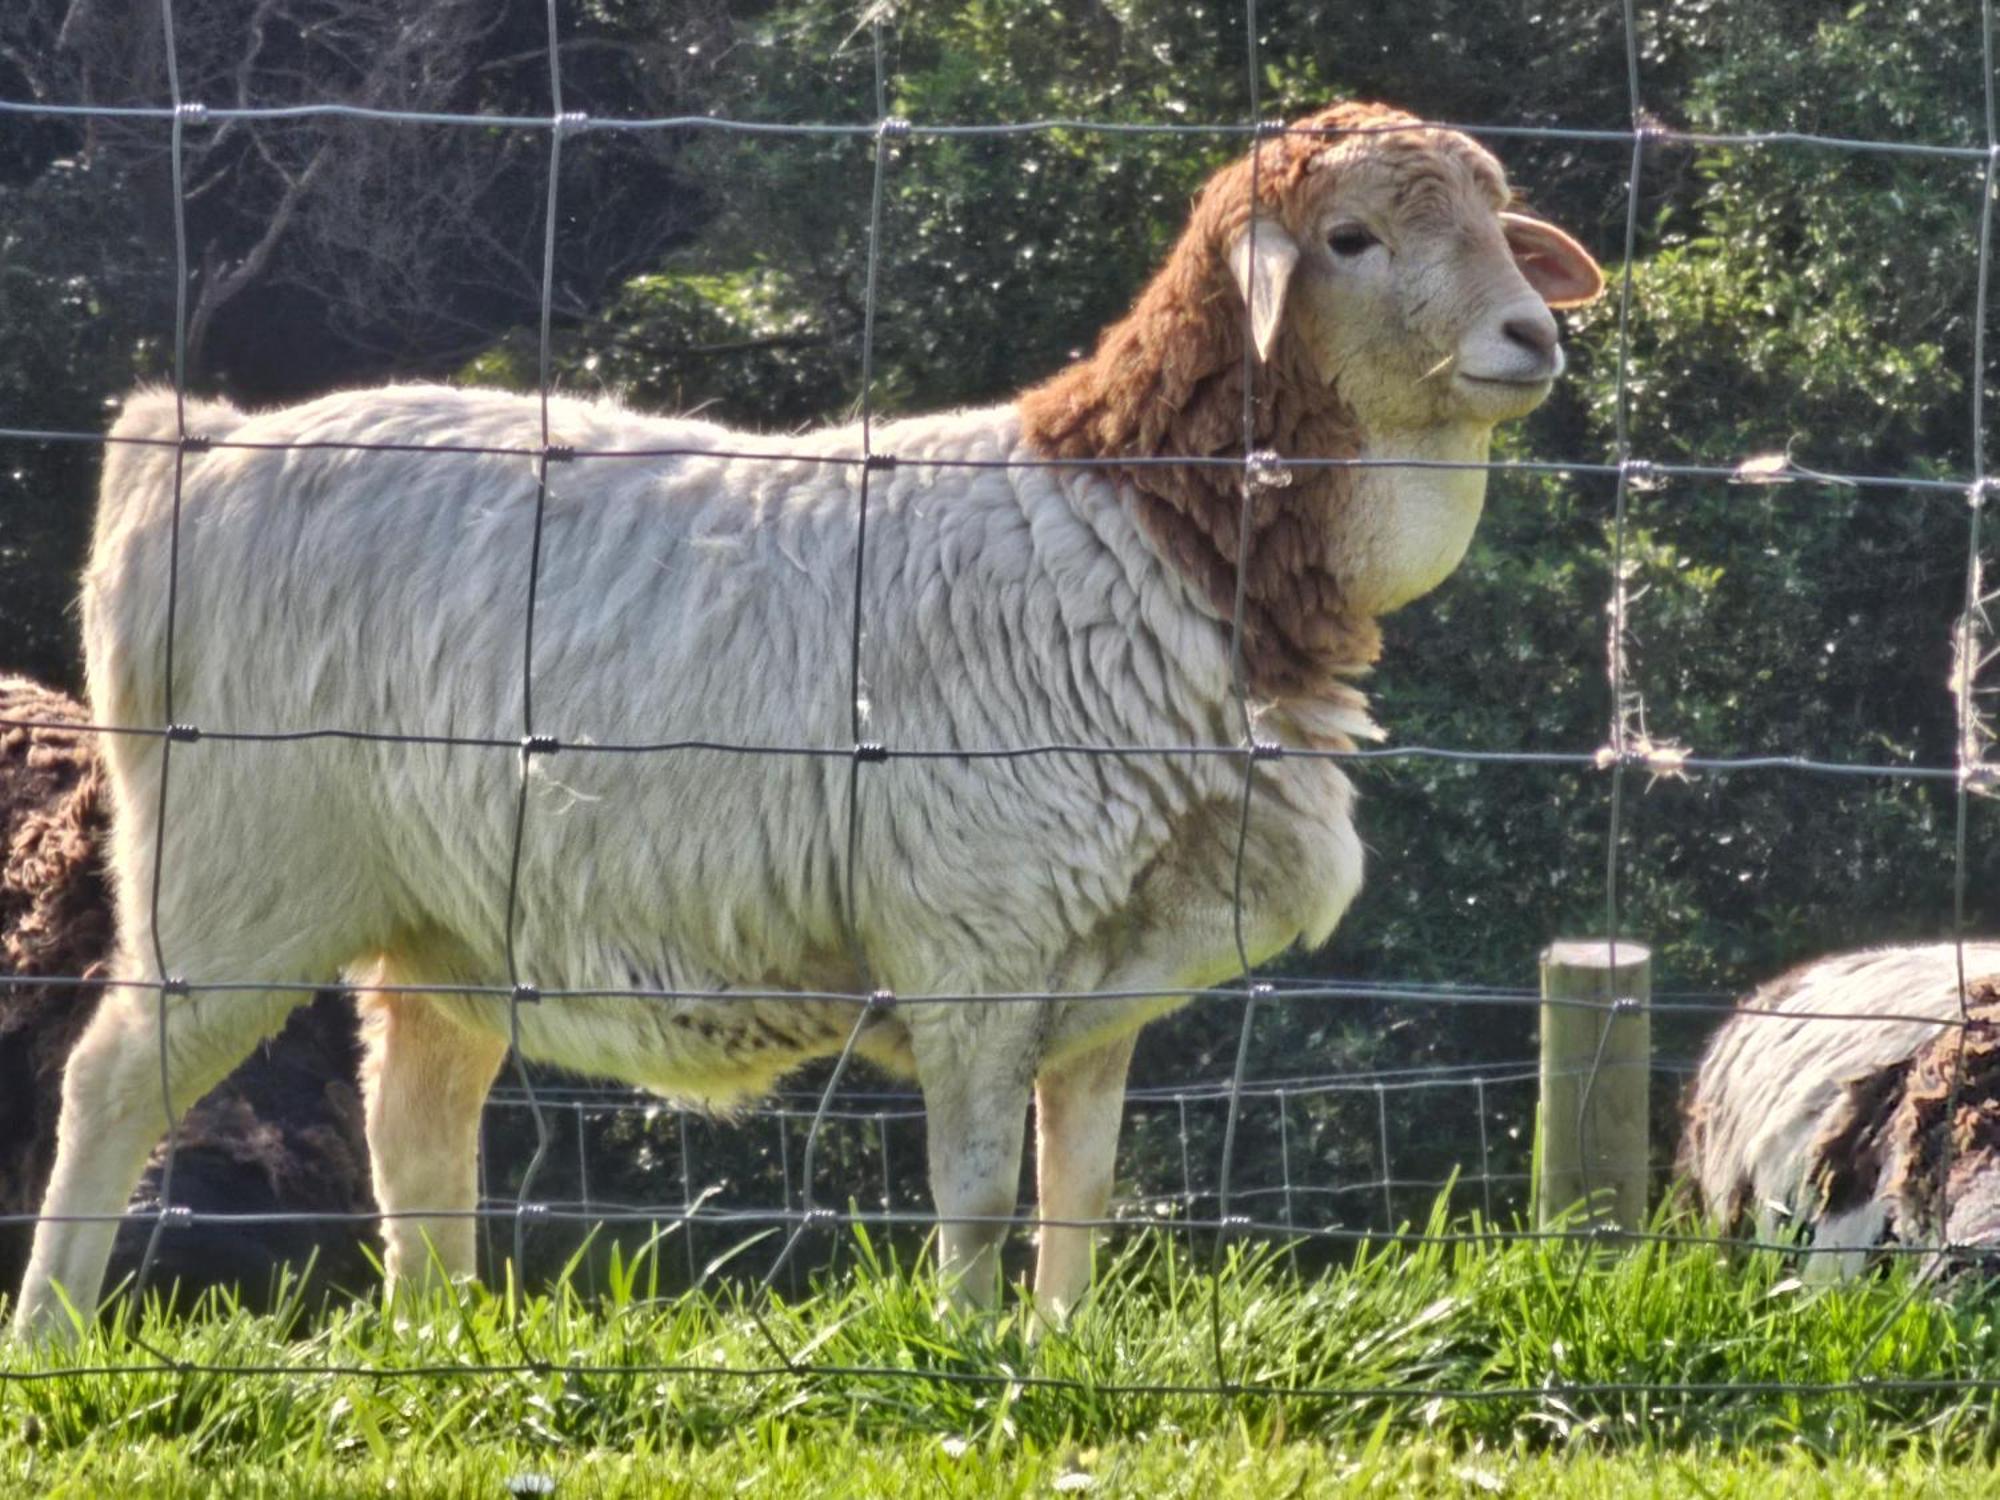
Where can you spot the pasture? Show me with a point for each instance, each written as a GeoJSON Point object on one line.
{"type": "Point", "coordinates": [1474, 1366]}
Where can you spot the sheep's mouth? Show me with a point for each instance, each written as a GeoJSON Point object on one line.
{"type": "Point", "coordinates": [1500, 398]}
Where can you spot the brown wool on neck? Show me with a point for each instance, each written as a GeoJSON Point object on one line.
{"type": "Point", "coordinates": [1167, 380]}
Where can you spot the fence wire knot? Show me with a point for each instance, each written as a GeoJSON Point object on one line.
{"type": "Point", "coordinates": [1264, 469]}
{"type": "Point", "coordinates": [192, 112]}
{"type": "Point", "coordinates": [539, 744]}
{"type": "Point", "coordinates": [176, 1216]}
{"type": "Point", "coordinates": [870, 752]}
{"type": "Point", "coordinates": [195, 443]}
{"type": "Point", "coordinates": [558, 453]}
{"type": "Point", "coordinates": [173, 984]}
{"type": "Point", "coordinates": [1643, 753]}
{"type": "Point", "coordinates": [183, 734]}
{"type": "Point", "coordinates": [1979, 778]}
{"type": "Point", "coordinates": [879, 463]}
{"type": "Point", "coordinates": [893, 128]}
{"type": "Point", "coordinates": [570, 120]}
{"type": "Point", "coordinates": [525, 994]}
{"type": "Point", "coordinates": [1980, 491]}
{"type": "Point", "coordinates": [881, 1000]}
{"type": "Point", "coordinates": [1266, 750]}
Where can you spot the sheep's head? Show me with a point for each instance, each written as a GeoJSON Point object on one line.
{"type": "Point", "coordinates": [1385, 289]}
{"type": "Point", "coordinates": [1385, 252]}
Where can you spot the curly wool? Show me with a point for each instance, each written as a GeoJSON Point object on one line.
{"type": "Point", "coordinates": [1839, 1127]}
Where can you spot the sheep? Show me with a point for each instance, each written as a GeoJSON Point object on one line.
{"type": "Point", "coordinates": [1834, 1128]}
{"type": "Point", "coordinates": [282, 1133]}
{"type": "Point", "coordinates": [1026, 580]}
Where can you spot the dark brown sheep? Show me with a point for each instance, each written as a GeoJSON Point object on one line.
{"type": "Point", "coordinates": [282, 1134]}
{"type": "Point", "coordinates": [1845, 1102]}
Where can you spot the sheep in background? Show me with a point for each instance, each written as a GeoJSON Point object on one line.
{"type": "Point", "coordinates": [282, 1133]}
{"type": "Point", "coordinates": [1837, 1127]}
{"type": "Point", "coordinates": [1395, 310]}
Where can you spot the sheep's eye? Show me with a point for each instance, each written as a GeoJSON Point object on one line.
{"type": "Point", "coordinates": [1350, 240]}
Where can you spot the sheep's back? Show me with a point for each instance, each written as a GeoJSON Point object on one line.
{"type": "Point", "coordinates": [1789, 1113]}
{"type": "Point", "coordinates": [700, 597]}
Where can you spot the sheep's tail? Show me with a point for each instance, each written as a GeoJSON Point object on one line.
{"type": "Point", "coordinates": [125, 583]}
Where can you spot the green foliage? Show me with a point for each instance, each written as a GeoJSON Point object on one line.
{"type": "Point", "coordinates": [74, 342]}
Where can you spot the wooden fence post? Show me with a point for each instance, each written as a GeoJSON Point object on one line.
{"type": "Point", "coordinates": [1591, 1123]}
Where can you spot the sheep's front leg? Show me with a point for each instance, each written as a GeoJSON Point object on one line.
{"type": "Point", "coordinates": [424, 1080]}
{"type": "Point", "coordinates": [976, 1111]}
{"type": "Point", "coordinates": [1079, 1106]}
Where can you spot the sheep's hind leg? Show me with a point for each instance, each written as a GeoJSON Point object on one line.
{"type": "Point", "coordinates": [1079, 1107]}
{"type": "Point", "coordinates": [113, 1112]}
{"type": "Point", "coordinates": [425, 1078]}
{"type": "Point", "coordinates": [976, 1115]}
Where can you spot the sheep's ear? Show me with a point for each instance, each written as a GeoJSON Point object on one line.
{"type": "Point", "coordinates": [1262, 259]}
{"type": "Point", "coordinates": [1556, 265]}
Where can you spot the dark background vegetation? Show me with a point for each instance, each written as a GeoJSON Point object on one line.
{"type": "Point", "coordinates": [1784, 298]}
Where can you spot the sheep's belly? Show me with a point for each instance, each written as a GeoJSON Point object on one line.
{"type": "Point", "coordinates": [717, 1054]}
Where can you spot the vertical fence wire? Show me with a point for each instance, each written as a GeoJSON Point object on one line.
{"type": "Point", "coordinates": [520, 990]}
{"type": "Point", "coordinates": [1384, 1171]}
{"type": "Point", "coordinates": [1617, 634]}
{"type": "Point", "coordinates": [1285, 1158]}
{"type": "Point", "coordinates": [1971, 638]}
{"type": "Point", "coordinates": [859, 709]}
{"type": "Point", "coordinates": [688, 1201]}
{"type": "Point", "coordinates": [169, 987]}
{"type": "Point", "coordinates": [1253, 472]}
{"type": "Point", "coordinates": [1485, 1152]}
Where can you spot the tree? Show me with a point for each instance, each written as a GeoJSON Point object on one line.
{"type": "Point", "coordinates": [413, 246]}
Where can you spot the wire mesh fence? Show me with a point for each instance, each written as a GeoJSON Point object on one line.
{"type": "Point", "coordinates": [1335, 1157]}
{"type": "Point", "coordinates": [786, 1177]}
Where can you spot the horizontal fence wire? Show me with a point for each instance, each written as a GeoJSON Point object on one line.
{"type": "Point", "coordinates": [1648, 134]}
{"type": "Point", "coordinates": [1436, 994]}
{"type": "Point", "coordinates": [845, 1124]}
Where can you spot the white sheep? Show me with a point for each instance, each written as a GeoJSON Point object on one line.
{"type": "Point", "coordinates": [1821, 1109]}
{"type": "Point", "coordinates": [1397, 311]}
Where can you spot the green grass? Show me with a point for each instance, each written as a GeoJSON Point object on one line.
{"type": "Point", "coordinates": [1551, 1368]}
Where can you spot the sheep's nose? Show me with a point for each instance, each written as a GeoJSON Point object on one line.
{"type": "Point", "coordinates": [1537, 335]}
